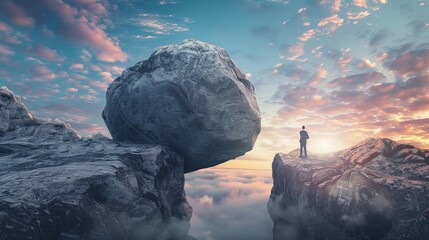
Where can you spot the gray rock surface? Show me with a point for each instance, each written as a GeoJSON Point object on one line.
{"type": "Point", "coordinates": [378, 189]}
{"type": "Point", "coordinates": [94, 188]}
{"type": "Point", "coordinates": [189, 96]}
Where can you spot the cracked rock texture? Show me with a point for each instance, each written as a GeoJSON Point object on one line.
{"type": "Point", "coordinates": [55, 185]}
{"type": "Point", "coordinates": [378, 189]}
{"type": "Point", "coordinates": [189, 96]}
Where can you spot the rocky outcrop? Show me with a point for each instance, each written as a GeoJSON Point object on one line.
{"type": "Point", "coordinates": [191, 97]}
{"type": "Point", "coordinates": [377, 189]}
{"type": "Point", "coordinates": [53, 187]}
{"type": "Point", "coordinates": [17, 122]}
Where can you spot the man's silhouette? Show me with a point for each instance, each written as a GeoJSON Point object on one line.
{"type": "Point", "coordinates": [303, 136]}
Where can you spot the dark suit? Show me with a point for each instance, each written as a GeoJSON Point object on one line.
{"type": "Point", "coordinates": [303, 136]}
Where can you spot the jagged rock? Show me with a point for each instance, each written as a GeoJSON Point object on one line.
{"type": "Point", "coordinates": [377, 189]}
{"type": "Point", "coordinates": [189, 96]}
{"type": "Point", "coordinates": [17, 122]}
{"type": "Point", "coordinates": [13, 113]}
{"type": "Point", "coordinates": [92, 188]}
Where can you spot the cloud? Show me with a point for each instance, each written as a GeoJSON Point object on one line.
{"type": "Point", "coordinates": [102, 85]}
{"type": "Point", "coordinates": [77, 66]}
{"type": "Point", "coordinates": [307, 35]}
{"type": "Point", "coordinates": [320, 74]}
{"type": "Point", "coordinates": [410, 63]}
{"type": "Point", "coordinates": [107, 76]}
{"type": "Point", "coordinates": [291, 71]}
{"type": "Point", "coordinates": [81, 25]}
{"type": "Point", "coordinates": [295, 50]}
{"type": "Point", "coordinates": [360, 3]}
{"type": "Point", "coordinates": [331, 23]}
{"type": "Point", "coordinates": [165, 2]}
{"type": "Point", "coordinates": [302, 10]}
{"type": "Point", "coordinates": [352, 107]}
{"type": "Point", "coordinates": [357, 81]}
{"type": "Point", "coordinates": [42, 73]}
{"type": "Point", "coordinates": [115, 69]}
{"type": "Point", "coordinates": [44, 52]}
{"type": "Point", "coordinates": [358, 15]}
{"type": "Point", "coordinates": [229, 204]}
{"type": "Point", "coordinates": [6, 51]}
{"type": "Point", "coordinates": [72, 90]}
{"type": "Point", "coordinates": [161, 24]}
{"type": "Point", "coordinates": [4, 27]}
{"type": "Point", "coordinates": [336, 6]}
{"type": "Point", "coordinates": [145, 37]}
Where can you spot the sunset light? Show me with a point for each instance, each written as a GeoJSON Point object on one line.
{"type": "Point", "coordinates": [211, 119]}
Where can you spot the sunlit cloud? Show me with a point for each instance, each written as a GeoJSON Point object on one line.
{"type": "Point", "coordinates": [307, 35]}
{"type": "Point", "coordinates": [358, 15]}
{"type": "Point", "coordinates": [331, 23]}
{"type": "Point", "coordinates": [360, 3]}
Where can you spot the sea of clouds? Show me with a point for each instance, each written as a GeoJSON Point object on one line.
{"type": "Point", "coordinates": [229, 204]}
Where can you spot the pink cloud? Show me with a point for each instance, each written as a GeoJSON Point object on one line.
{"type": "Point", "coordinates": [115, 69]}
{"type": "Point", "coordinates": [42, 73]}
{"type": "Point", "coordinates": [6, 51]}
{"type": "Point", "coordinates": [4, 27]}
{"type": "Point", "coordinates": [45, 53]}
{"type": "Point", "coordinates": [317, 76]}
{"type": "Point", "coordinates": [72, 90]}
{"type": "Point", "coordinates": [107, 76]}
{"type": "Point", "coordinates": [101, 85]}
{"type": "Point", "coordinates": [76, 66]}
{"type": "Point", "coordinates": [80, 25]}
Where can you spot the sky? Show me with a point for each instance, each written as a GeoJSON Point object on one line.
{"type": "Point", "coordinates": [347, 70]}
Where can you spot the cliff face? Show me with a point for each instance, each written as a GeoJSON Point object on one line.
{"type": "Point", "coordinates": [377, 189]}
{"type": "Point", "coordinates": [56, 185]}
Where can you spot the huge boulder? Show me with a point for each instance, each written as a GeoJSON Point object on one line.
{"type": "Point", "coordinates": [189, 96]}
{"type": "Point", "coordinates": [377, 189]}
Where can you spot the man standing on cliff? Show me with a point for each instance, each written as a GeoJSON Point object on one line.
{"type": "Point", "coordinates": [303, 136]}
